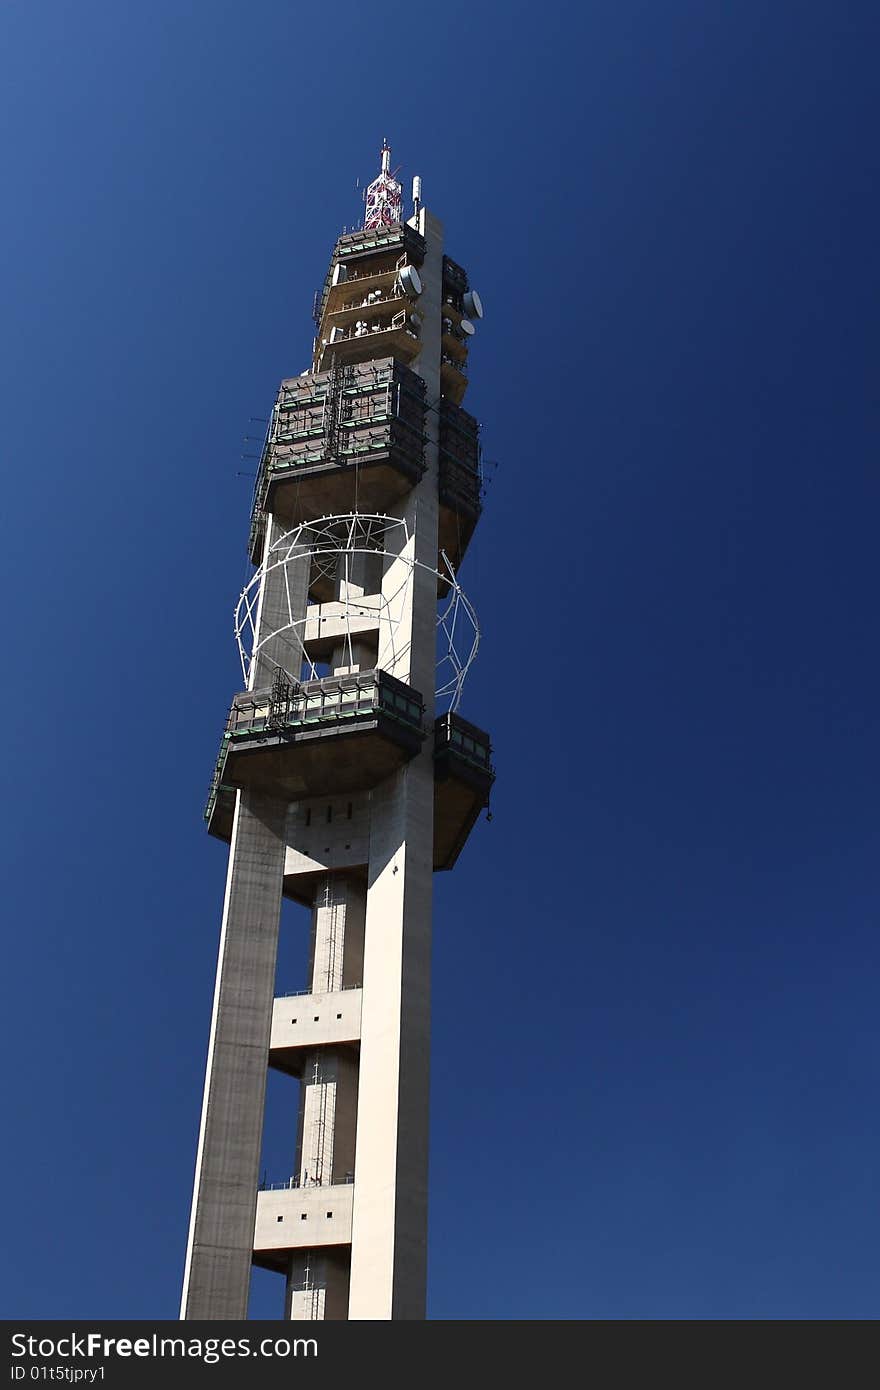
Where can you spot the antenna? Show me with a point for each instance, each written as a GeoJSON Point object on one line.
{"type": "Point", "coordinates": [417, 194]}
{"type": "Point", "coordinates": [384, 196]}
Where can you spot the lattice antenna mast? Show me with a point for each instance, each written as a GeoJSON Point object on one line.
{"type": "Point", "coordinates": [383, 197]}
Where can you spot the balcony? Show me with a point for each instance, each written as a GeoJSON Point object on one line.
{"type": "Point", "coordinates": [355, 249]}
{"type": "Point", "coordinates": [300, 1218]}
{"type": "Point", "coordinates": [343, 733]}
{"type": "Point", "coordinates": [220, 807]}
{"type": "Point", "coordinates": [301, 1022]}
{"type": "Point", "coordinates": [359, 256]}
{"type": "Point", "coordinates": [463, 777]}
{"type": "Point", "coordinates": [379, 333]}
{"type": "Point", "coordinates": [453, 377]}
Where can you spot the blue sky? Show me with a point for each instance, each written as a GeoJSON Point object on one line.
{"type": "Point", "coordinates": [656, 1054]}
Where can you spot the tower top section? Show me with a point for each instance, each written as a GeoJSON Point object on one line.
{"type": "Point", "coordinates": [383, 197]}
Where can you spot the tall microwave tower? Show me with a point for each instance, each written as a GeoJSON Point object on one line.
{"type": "Point", "coordinates": [346, 777]}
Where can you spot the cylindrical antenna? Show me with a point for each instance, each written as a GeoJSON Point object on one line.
{"type": "Point", "coordinates": [417, 193]}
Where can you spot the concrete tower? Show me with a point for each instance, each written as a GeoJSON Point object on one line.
{"type": "Point", "coordinates": [339, 785]}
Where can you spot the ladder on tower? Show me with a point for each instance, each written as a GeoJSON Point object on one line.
{"type": "Point", "coordinates": [332, 981]}
{"type": "Point", "coordinates": [333, 412]}
{"type": "Point", "coordinates": [279, 701]}
{"type": "Point", "coordinates": [319, 1148]}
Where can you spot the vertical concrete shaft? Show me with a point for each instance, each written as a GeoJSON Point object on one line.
{"type": "Point", "coordinates": [358, 574]}
{"type": "Point", "coordinates": [337, 949]}
{"type": "Point", "coordinates": [317, 1286]}
{"type": "Point", "coordinates": [327, 1118]}
{"type": "Point", "coordinates": [389, 1233]}
{"type": "Point", "coordinates": [218, 1259]}
{"type": "Point", "coordinates": [283, 600]}
{"type": "Point", "coordinates": [354, 654]}
{"type": "Point", "coordinates": [329, 1087]}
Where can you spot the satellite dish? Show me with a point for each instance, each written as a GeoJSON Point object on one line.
{"type": "Point", "coordinates": [467, 327]}
{"type": "Point", "coordinates": [410, 281]}
{"type": "Point", "coordinates": [473, 304]}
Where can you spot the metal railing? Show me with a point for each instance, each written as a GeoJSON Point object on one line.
{"type": "Point", "coordinates": [368, 330]}
{"type": "Point", "coordinates": [333, 699]}
{"type": "Point", "coordinates": [294, 1183]}
{"type": "Point", "coordinates": [460, 367]}
{"type": "Point", "coordinates": [302, 993]}
{"type": "Point", "coordinates": [464, 740]}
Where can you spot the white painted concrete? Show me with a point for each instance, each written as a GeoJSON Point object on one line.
{"type": "Point", "coordinates": [304, 1223]}
{"type": "Point", "coordinates": [316, 1020]}
{"type": "Point", "coordinates": [368, 860]}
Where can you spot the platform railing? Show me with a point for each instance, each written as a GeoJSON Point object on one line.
{"type": "Point", "coordinates": [331, 699]}
{"type": "Point", "coordinates": [294, 1183]}
{"type": "Point", "coordinates": [464, 739]}
{"type": "Point", "coordinates": [302, 993]}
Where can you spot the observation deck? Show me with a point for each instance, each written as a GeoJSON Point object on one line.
{"type": "Point", "coordinates": [463, 770]}
{"type": "Point", "coordinates": [314, 738]}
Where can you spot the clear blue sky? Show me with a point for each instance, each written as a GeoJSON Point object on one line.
{"type": "Point", "coordinates": [656, 1050]}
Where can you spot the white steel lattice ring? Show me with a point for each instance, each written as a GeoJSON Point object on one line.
{"type": "Point", "coordinates": [328, 548]}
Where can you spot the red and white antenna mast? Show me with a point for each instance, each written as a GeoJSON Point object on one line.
{"type": "Point", "coordinates": [384, 196]}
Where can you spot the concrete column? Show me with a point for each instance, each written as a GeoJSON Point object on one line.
{"type": "Point", "coordinates": [329, 1087]}
{"type": "Point", "coordinates": [218, 1260]}
{"type": "Point", "coordinates": [327, 1119]}
{"type": "Point", "coordinates": [359, 654]}
{"type": "Point", "coordinates": [389, 1234]}
{"type": "Point", "coordinates": [337, 948]}
{"type": "Point", "coordinates": [357, 575]}
{"type": "Point", "coordinates": [317, 1286]}
{"type": "Point", "coordinates": [285, 592]}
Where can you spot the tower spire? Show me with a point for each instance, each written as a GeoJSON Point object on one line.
{"type": "Point", "coordinates": [384, 196]}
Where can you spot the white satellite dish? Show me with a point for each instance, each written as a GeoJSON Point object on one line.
{"type": "Point", "coordinates": [467, 327]}
{"type": "Point", "coordinates": [410, 281]}
{"type": "Point", "coordinates": [473, 304]}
